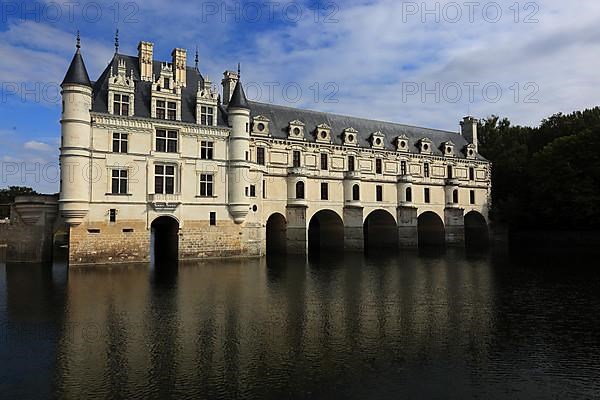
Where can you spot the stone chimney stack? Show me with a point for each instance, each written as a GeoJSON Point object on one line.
{"type": "Point", "coordinates": [229, 81]}
{"type": "Point", "coordinates": [468, 128]}
{"type": "Point", "coordinates": [179, 64]}
{"type": "Point", "coordinates": [145, 56]}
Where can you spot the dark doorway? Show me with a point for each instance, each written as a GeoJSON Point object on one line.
{"type": "Point", "coordinates": [325, 233]}
{"type": "Point", "coordinates": [164, 242]}
{"type": "Point", "coordinates": [380, 232]}
{"type": "Point", "coordinates": [431, 230]}
{"type": "Point", "coordinates": [476, 230]}
{"type": "Point", "coordinates": [276, 234]}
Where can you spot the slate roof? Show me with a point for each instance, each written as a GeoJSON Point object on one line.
{"type": "Point", "coordinates": [77, 73]}
{"type": "Point", "coordinates": [279, 116]}
{"type": "Point", "coordinates": [238, 98]}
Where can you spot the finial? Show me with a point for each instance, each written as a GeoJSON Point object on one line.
{"type": "Point", "coordinates": [78, 45]}
{"type": "Point", "coordinates": [239, 72]}
{"type": "Point", "coordinates": [196, 60]}
{"type": "Point", "coordinates": [117, 41]}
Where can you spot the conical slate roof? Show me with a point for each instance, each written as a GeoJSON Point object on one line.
{"type": "Point", "coordinates": [238, 99]}
{"type": "Point", "coordinates": [77, 74]}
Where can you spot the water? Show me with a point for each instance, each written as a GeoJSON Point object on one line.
{"type": "Point", "coordinates": [409, 326]}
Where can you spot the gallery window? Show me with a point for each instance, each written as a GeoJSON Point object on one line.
{"type": "Point", "coordinates": [296, 159]}
{"type": "Point", "coordinates": [403, 167]}
{"type": "Point", "coordinates": [356, 193]}
{"type": "Point", "coordinates": [324, 163]}
{"type": "Point", "coordinates": [260, 155]}
{"type": "Point", "coordinates": [164, 179]}
{"type": "Point", "coordinates": [207, 116]}
{"type": "Point", "coordinates": [166, 141]}
{"type": "Point", "coordinates": [351, 166]}
{"type": "Point", "coordinates": [379, 193]}
{"type": "Point", "coordinates": [119, 142]}
{"type": "Point", "coordinates": [120, 104]}
{"type": "Point", "coordinates": [300, 190]}
{"type": "Point", "coordinates": [426, 170]}
{"type": "Point", "coordinates": [119, 181]}
{"type": "Point", "coordinates": [206, 150]}
{"type": "Point", "coordinates": [378, 166]}
{"type": "Point", "coordinates": [324, 191]}
{"type": "Point", "coordinates": [206, 185]}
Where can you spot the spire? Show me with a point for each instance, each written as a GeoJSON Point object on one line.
{"type": "Point", "coordinates": [239, 72]}
{"type": "Point", "coordinates": [196, 59]}
{"type": "Point", "coordinates": [117, 41]}
{"type": "Point", "coordinates": [77, 74]}
{"type": "Point", "coordinates": [238, 98]}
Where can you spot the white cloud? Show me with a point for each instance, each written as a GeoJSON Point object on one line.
{"type": "Point", "coordinates": [38, 146]}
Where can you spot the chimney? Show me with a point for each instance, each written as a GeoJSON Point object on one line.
{"type": "Point", "coordinates": [468, 127]}
{"type": "Point", "coordinates": [179, 64]}
{"type": "Point", "coordinates": [229, 81]}
{"type": "Point", "coordinates": [145, 57]}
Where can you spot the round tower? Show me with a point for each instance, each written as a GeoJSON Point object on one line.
{"type": "Point", "coordinates": [75, 156]}
{"type": "Point", "coordinates": [238, 112]}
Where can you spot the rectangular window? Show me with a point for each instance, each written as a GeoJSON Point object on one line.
{"type": "Point", "coordinates": [121, 104]}
{"type": "Point", "coordinates": [426, 195]}
{"type": "Point", "coordinates": [472, 196]}
{"type": "Point", "coordinates": [296, 159]}
{"type": "Point", "coordinates": [379, 193]}
{"type": "Point", "coordinates": [171, 110]}
{"type": "Point", "coordinates": [161, 109]}
{"type": "Point", "coordinates": [324, 161]}
{"type": "Point", "coordinates": [351, 166]}
{"type": "Point", "coordinates": [264, 189]}
{"type": "Point", "coordinates": [166, 141]}
{"type": "Point", "coordinates": [324, 191]}
{"type": "Point", "coordinates": [112, 215]}
{"type": "Point", "coordinates": [206, 185]}
{"type": "Point", "coordinates": [164, 179]}
{"type": "Point", "coordinates": [206, 115]}
{"type": "Point", "coordinates": [119, 143]}
{"type": "Point", "coordinates": [403, 167]}
{"type": "Point", "coordinates": [213, 218]}
{"type": "Point", "coordinates": [206, 150]}
{"type": "Point", "coordinates": [449, 172]}
{"type": "Point", "coordinates": [260, 155]}
{"type": "Point", "coordinates": [471, 173]}
{"type": "Point", "coordinates": [378, 166]}
{"type": "Point", "coordinates": [119, 181]}
{"type": "Point", "coordinates": [426, 170]}
{"type": "Point", "coordinates": [252, 190]}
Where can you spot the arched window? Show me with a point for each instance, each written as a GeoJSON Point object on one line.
{"type": "Point", "coordinates": [300, 190]}
{"type": "Point", "coordinates": [408, 195]}
{"type": "Point", "coordinates": [455, 196]}
{"type": "Point", "coordinates": [355, 193]}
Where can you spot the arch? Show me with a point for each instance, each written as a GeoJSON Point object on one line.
{"type": "Point", "coordinates": [380, 231]}
{"type": "Point", "coordinates": [164, 240]}
{"type": "Point", "coordinates": [431, 231]}
{"type": "Point", "coordinates": [325, 232]}
{"type": "Point", "coordinates": [356, 192]}
{"type": "Point", "coordinates": [300, 190]}
{"type": "Point", "coordinates": [476, 230]}
{"type": "Point", "coordinates": [276, 234]}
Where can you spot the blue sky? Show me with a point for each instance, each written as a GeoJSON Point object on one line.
{"type": "Point", "coordinates": [420, 63]}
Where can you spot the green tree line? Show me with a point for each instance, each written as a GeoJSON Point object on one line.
{"type": "Point", "coordinates": [545, 177]}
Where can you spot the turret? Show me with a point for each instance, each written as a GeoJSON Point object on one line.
{"type": "Point", "coordinates": [468, 128]}
{"type": "Point", "coordinates": [239, 149]}
{"type": "Point", "coordinates": [75, 156]}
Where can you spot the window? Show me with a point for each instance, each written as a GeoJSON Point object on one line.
{"type": "Point", "coordinates": [296, 158]}
{"type": "Point", "coordinates": [252, 190]}
{"type": "Point", "coordinates": [455, 196]}
{"type": "Point", "coordinates": [207, 116]}
{"type": "Point", "coordinates": [260, 155]}
{"type": "Point", "coordinates": [119, 143]}
{"type": "Point", "coordinates": [379, 193]}
{"type": "Point", "coordinates": [171, 110]}
{"type": "Point", "coordinates": [323, 161]}
{"type": "Point", "coordinates": [471, 173]}
{"type": "Point", "coordinates": [112, 215]}
{"type": "Point", "coordinates": [166, 83]}
{"type": "Point", "coordinates": [355, 193]}
{"type": "Point", "coordinates": [164, 179]}
{"type": "Point", "coordinates": [300, 190]}
{"type": "Point", "coordinates": [160, 109]}
{"type": "Point", "coordinates": [426, 195]}
{"type": "Point", "coordinates": [206, 185]}
{"type": "Point", "coordinates": [403, 167]}
{"type": "Point", "coordinates": [351, 166]}
{"type": "Point", "coordinates": [426, 170]}
{"type": "Point", "coordinates": [206, 150]}
{"type": "Point", "coordinates": [264, 189]}
{"type": "Point", "coordinates": [213, 218]}
{"type": "Point", "coordinates": [472, 197]}
{"type": "Point", "coordinates": [408, 195]}
{"type": "Point", "coordinates": [449, 171]}
{"type": "Point", "coordinates": [378, 167]}
{"type": "Point", "coordinates": [120, 104]}
{"type": "Point", "coordinates": [324, 191]}
{"type": "Point", "coordinates": [166, 141]}
{"type": "Point", "coordinates": [119, 181]}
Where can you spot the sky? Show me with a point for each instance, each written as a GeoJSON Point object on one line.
{"type": "Point", "coordinates": [424, 63]}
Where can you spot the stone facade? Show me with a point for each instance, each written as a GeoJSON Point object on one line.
{"type": "Point", "coordinates": [149, 140]}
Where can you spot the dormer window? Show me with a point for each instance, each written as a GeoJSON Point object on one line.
{"type": "Point", "coordinates": [402, 143]}
{"type": "Point", "coordinates": [425, 146]}
{"type": "Point", "coordinates": [166, 110]}
{"type": "Point", "coordinates": [296, 130]}
{"type": "Point", "coordinates": [121, 90]}
{"type": "Point", "coordinates": [377, 140]}
{"type": "Point", "coordinates": [206, 104]}
{"type": "Point", "coordinates": [448, 148]}
{"type": "Point", "coordinates": [470, 151]}
{"type": "Point", "coordinates": [120, 104]}
{"type": "Point", "coordinates": [323, 133]}
{"type": "Point", "coordinates": [207, 115]}
{"type": "Point", "coordinates": [261, 125]}
{"type": "Point", "coordinates": [350, 137]}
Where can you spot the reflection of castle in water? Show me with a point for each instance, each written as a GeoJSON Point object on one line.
{"type": "Point", "coordinates": [229, 324]}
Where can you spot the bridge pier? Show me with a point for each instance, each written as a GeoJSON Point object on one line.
{"type": "Point", "coordinates": [454, 226]}
{"type": "Point", "coordinates": [296, 230]}
{"type": "Point", "coordinates": [353, 228]}
{"type": "Point", "coordinates": [408, 236]}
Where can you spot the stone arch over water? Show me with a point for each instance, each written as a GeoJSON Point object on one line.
{"type": "Point", "coordinates": [325, 232]}
{"type": "Point", "coordinates": [431, 231]}
{"type": "Point", "coordinates": [276, 234]}
{"type": "Point", "coordinates": [476, 230]}
{"type": "Point", "coordinates": [164, 240]}
{"type": "Point", "coordinates": [380, 231]}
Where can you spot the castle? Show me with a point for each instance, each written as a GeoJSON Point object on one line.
{"type": "Point", "coordinates": [155, 160]}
